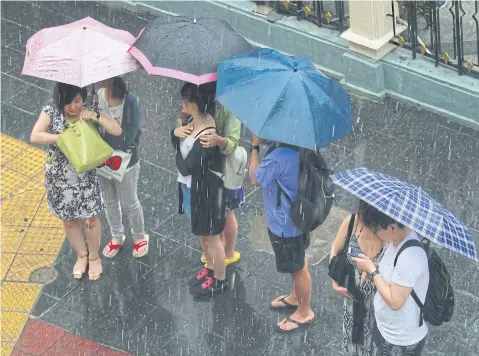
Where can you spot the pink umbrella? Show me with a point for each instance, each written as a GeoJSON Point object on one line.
{"type": "Point", "coordinates": [80, 53]}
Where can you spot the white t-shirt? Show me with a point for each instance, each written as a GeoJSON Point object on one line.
{"type": "Point", "coordinates": [185, 147]}
{"type": "Point", "coordinates": [401, 327]}
{"type": "Point", "coordinates": [116, 112]}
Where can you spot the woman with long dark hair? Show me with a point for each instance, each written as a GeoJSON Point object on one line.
{"type": "Point", "coordinates": [125, 108]}
{"type": "Point", "coordinates": [201, 191]}
{"type": "Point", "coordinates": [358, 320]}
{"type": "Point", "coordinates": [74, 198]}
{"type": "Point", "coordinates": [226, 137]}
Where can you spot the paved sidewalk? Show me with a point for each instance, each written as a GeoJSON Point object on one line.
{"type": "Point", "coordinates": [143, 307]}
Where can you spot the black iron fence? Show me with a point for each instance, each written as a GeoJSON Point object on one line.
{"type": "Point", "coordinates": [332, 14]}
{"type": "Point", "coordinates": [447, 31]}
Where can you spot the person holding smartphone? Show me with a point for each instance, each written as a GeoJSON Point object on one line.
{"type": "Point", "coordinates": [362, 241]}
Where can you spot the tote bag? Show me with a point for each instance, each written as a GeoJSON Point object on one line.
{"type": "Point", "coordinates": [83, 146]}
{"type": "Point", "coordinates": [116, 166]}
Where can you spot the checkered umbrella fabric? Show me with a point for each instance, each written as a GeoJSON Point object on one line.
{"type": "Point", "coordinates": [410, 206]}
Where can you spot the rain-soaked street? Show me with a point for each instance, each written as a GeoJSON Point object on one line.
{"type": "Point", "coordinates": [143, 307]}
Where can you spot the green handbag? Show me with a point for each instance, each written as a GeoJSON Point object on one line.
{"type": "Point", "coordinates": [83, 146]}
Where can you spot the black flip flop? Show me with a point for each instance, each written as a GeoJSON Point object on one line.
{"type": "Point", "coordinates": [300, 325]}
{"type": "Point", "coordinates": [287, 306]}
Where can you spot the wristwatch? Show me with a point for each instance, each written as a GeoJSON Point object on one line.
{"type": "Point", "coordinates": [374, 274]}
{"type": "Point", "coordinates": [96, 110]}
{"type": "Point", "coordinates": [252, 148]}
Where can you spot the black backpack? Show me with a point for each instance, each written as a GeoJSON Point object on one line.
{"type": "Point", "coordinates": [315, 195]}
{"type": "Point", "coordinates": [439, 304]}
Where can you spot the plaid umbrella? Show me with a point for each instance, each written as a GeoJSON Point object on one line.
{"type": "Point", "coordinates": [410, 206]}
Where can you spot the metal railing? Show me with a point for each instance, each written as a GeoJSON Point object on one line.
{"type": "Point", "coordinates": [333, 14]}
{"type": "Point", "coordinates": [446, 31]}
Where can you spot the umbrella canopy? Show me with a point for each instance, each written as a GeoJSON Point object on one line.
{"type": "Point", "coordinates": [187, 49]}
{"type": "Point", "coordinates": [283, 98]}
{"type": "Point", "coordinates": [80, 53]}
{"type": "Point", "coordinates": [410, 206]}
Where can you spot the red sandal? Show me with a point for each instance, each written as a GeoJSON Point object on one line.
{"type": "Point", "coordinates": [141, 243]}
{"type": "Point", "coordinates": [112, 248]}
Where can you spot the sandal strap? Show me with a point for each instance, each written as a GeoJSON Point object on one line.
{"type": "Point", "coordinates": [113, 246]}
{"type": "Point", "coordinates": [140, 244]}
{"type": "Point", "coordinates": [283, 300]}
{"type": "Point", "coordinates": [297, 323]}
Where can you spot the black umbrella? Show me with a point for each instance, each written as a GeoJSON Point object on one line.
{"type": "Point", "coordinates": [187, 49]}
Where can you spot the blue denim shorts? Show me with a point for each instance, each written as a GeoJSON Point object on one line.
{"type": "Point", "coordinates": [234, 198]}
{"type": "Point", "coordinates": [186, 200]}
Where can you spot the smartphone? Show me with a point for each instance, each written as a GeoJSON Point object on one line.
{"type": "Point", "coordinates": [354, 251]}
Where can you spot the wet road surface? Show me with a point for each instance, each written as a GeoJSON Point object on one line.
{"type": "Point", "coordinates": [143, 307]}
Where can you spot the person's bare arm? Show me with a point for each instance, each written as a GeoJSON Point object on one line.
{"type": "Point", "coordinates": [338, 243]}
{"type": "Point", "coordinates": [394, 295]}
{"type": "Point", "coordinates": [254, 160]}
{"type": "Point", "coordinates": [40, 134]}
{"type": "Point", "coordinates": [109, 124]}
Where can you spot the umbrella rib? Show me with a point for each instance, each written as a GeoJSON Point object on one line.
{"type": "Point", "coordinates": [329, 97]}
{"type": "Point", "coordinates": [272, 108]}
{"type": "Point", "coordinates": [359, 181]}
{"type": "Point", "coordinates": [212, 40]}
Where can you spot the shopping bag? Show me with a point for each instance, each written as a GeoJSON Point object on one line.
{"type": "Point", "coordinates": [116, 166]}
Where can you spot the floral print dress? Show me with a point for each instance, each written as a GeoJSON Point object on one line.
{"type": "Point", "coordinates": [70, 196]}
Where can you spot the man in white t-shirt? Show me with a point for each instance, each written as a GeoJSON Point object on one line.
{"type": "Point", "coordinates": [399, 330]}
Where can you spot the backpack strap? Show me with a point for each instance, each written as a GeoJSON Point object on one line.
{"type": "Point", "coordinates": [414, 296]}
{"type": "Point", "coordinates": [281, 190]}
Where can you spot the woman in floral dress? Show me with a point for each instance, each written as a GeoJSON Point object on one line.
{"type": "Point", "coordinates": [361, 240]}
{"type": "Point", "coordinates": [74, 198]}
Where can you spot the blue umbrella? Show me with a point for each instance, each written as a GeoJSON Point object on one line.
{"type": "Point", "coordinates": [410, 206]}
{"type": "Point", "coordinates": [283, 98]}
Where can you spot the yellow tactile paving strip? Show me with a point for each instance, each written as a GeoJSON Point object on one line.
{"type": "Point", "coordinates": [30, 237]}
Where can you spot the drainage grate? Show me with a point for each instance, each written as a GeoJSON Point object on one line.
{"type": "Point", "coordinates": [43, 275]}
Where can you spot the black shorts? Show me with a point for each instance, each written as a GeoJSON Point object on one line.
{"type": "Point", "coordinates": [289, 252]}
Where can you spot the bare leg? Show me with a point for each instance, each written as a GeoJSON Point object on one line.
{"type": "Point", "coordinates": [75, 236]}
{"type": "Point", "coordinates": [93, 234]}
{"type": "Point", "coordinates": [230, 234]}
{"type": "Point", "coordinates": [291, 299]}
{"type": "Point", "coordinates": [302, 285]}
{"type": "Point", "coordinates": [215, 255]}
{"type": "Point", "coordinates": [222, 239]}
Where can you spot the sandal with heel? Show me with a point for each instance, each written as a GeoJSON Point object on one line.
{"type": "Point", "coordinates": [79, 269]}
{"type": "Point", "coordinates": [92, 274]}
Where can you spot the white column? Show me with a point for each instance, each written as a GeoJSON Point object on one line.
{"type": "Point", "coordinates": [371, 28]}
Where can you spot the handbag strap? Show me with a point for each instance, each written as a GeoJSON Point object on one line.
{"type": "Point", "coordinates": [350, 232]}
{"type": "Point", "coordinates": [206, 128]}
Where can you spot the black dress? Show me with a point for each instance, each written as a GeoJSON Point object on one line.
{"type": "Point", "coordinates": [207, 189]}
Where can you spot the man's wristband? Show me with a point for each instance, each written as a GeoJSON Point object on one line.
{"type": "Point", "coordinates": [253, 148]}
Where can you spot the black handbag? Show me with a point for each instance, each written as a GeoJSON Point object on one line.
{"type": "Point", "coordinates": [339, 266]}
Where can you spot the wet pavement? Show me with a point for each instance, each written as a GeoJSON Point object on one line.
{"type": "Point", "coordinates": [143, 307]}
